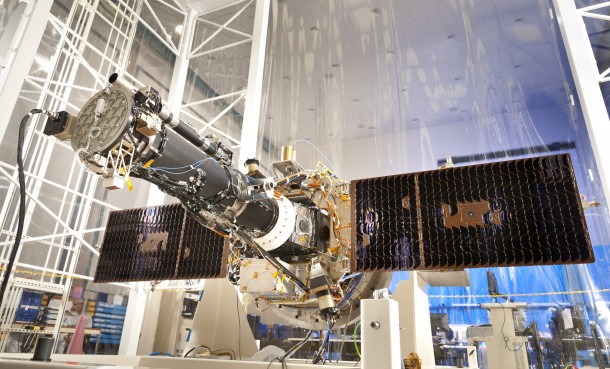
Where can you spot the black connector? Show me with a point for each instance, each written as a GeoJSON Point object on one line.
{"type": "Point", "coordinates": [56, 124]}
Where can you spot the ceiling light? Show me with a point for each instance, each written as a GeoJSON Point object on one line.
{"type": "Point", "coordinates": [179, 28]}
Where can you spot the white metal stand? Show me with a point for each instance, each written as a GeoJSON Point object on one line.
{"type": "Point", "coordinates": [380, 334]}
{"type": "Point", "coordinates": [504, 348]}
{"type": "Point", "coordinates": [220, 321]}
{"type": "Point", "coordinates": [416, 333]}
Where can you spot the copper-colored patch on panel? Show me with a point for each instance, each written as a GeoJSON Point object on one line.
{"type": "Point", "coordinates": [470, 214]}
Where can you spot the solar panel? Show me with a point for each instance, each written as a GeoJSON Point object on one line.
{"type": "Point", "coordinates": [158, 243]}
{"type": "Point", "coordinates": [512, 213]}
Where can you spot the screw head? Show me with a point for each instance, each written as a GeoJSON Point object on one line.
{"type": "Point", "coordinates": [375, 325]}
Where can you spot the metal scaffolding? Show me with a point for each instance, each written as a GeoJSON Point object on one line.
{"type": "Point", "coordinates": [72, 47]}
{"type": "Point", "coordinates": [588, 77]}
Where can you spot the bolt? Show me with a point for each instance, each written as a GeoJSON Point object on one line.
{"type": "Point", "coordinates": [375, 325]}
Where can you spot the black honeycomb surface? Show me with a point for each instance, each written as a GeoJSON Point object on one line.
{"type": "Point", "coordinates": [512, 213]}
{"type": "Point", "coordinates": [159, 243]}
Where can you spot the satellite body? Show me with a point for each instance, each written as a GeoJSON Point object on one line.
{"type": "Point", "coordinates": [305, 243]}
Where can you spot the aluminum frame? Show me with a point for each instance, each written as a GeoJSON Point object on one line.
{"type": "Point", "coordinates": [195, 51]}
{"type": "Point", "coordinates": [54, 92]}
{"type": "Point", "coordinates": [587, 78]}
{"type": "Point", "coordinates": [56, 89]}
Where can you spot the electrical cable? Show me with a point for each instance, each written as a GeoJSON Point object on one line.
{"type": "Point", "coordinates": [308, 353]}
{"type": "Point", "coordinates": [504, 336]}
{"type": "Point", "coordinates": [296, 347]}
{"type": "Point", "coordinates": [22, 198]}
{"type": "Point", "coordinates": [196, 347]}
{"type": "Point", "coordinates": [320, 354]}
{"type": "Point", "coordinates": [169, 169]}
{"type": "Point", "coordinates": [224, 352]}
{"type": "Point", "coordinates": [271, 362]}
{"type": "Point", "coordinates": [319, 151]}
{"type": "Point", "coordinates": [291, 351]}
{"type": "Point", "coordinates": [356, 343]}
{"type": "Point", "coordinates": [349, 316]}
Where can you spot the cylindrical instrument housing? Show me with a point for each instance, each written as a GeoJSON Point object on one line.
{"type": "Point", "coordinates": [181, 161]}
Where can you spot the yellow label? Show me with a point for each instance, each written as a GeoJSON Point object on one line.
{"type": "Point", "coordinates": [129, 185]}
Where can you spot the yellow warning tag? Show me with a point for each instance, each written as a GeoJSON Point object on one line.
{"type": "Point", "coordinates": [129, 184]}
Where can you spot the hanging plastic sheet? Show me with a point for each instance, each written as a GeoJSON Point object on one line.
{"type": "Point", "coordinates": [388, 87]}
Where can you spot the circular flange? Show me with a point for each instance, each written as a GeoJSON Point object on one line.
{"type": "Point", "coordinates": [100, 131]}
{"type": "Point", "coordinates": [282, 229]}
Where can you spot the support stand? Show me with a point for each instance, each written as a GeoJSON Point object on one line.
{"type": "Point", "coordinates": [380, 334]}
{"type": "Point", "coordinates": [220, 321]}
{"type": "Point", "coordinates": [504, 348]}
{"type": "Point", "coordinates": [416, 333]}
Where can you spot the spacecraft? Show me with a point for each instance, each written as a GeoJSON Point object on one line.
{"type": "Point", "coordinates": [301, 241]}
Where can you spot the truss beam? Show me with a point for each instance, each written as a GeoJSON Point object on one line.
{"type": "Point", "coordinates": [587, 78]}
